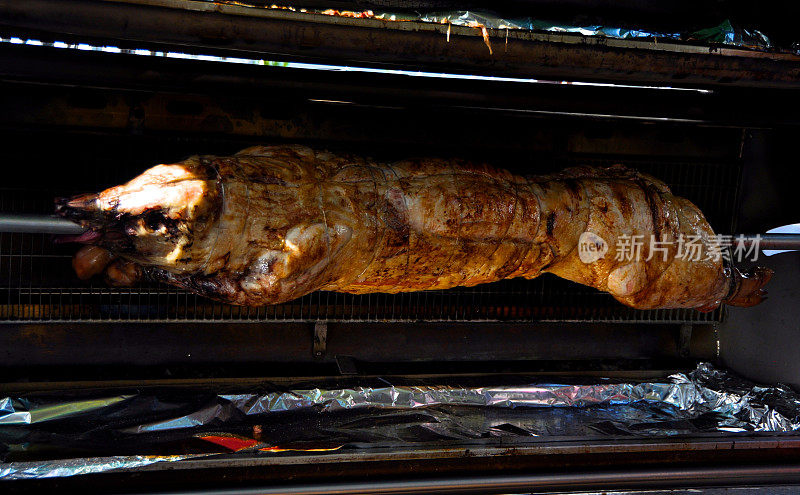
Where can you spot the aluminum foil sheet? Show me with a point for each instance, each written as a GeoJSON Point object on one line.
{"type": "Point", "coordinates": [724, 33]}
{"type": "Point", "coordinates": [706, 390]}
{"type": "Point", "coordinates": [26, 411]}
{"type": "Point", "coordinates": [68, 434]}
{"type": "Point", "coordinates": [71, 467]}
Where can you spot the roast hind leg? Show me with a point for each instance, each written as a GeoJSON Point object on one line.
{"type": "Point", "coordinates": [747, 288]}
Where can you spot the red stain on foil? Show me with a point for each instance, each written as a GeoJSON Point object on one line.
{"type": "Point", "coordinates": [233, 443]}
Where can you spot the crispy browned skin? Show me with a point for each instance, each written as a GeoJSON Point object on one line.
{"type": "Point", "coordinates": [271, 224]}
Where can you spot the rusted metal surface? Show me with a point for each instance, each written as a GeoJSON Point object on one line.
{"type": "Point", "coordinates": [190, 26]}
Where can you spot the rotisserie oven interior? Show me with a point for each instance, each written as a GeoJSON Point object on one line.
{"type": "Point", "coordinates": [331, 386]}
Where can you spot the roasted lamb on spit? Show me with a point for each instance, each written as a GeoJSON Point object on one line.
{"type": "Point", "coordinates": [273, 223]}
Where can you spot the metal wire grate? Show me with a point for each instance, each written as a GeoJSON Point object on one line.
{"type": "Point", "coordinates": [37, 282]}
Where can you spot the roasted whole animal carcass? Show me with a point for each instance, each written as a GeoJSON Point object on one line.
{"type": "Point", "coordinates": [273, 223]}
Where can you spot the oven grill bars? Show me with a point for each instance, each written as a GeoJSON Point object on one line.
{"type": "Point", "coordinates": [37, 282]}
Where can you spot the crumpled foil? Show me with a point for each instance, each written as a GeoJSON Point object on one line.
{"type": "Point", "coordinates": [25, 411]}
{"type": "Point", "coordinates": [72, 467]}
{"type": "Point", "coordinates": [724, 33]}
{"type": "Point", "coordinates": [140, 427]}
{"type": "Point", "coordinates": [741, 407]}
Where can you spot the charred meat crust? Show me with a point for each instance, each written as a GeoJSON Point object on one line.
{"type": "Point", "coordinates": [219, 287]}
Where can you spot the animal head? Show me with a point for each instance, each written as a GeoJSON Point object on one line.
{"type": "Point", "coordinates": [164, 217]}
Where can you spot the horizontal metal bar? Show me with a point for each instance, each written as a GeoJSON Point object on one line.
{"type": "Point", "coordinates": [204, 27]}
{"type": "Point", "coordinates": [151, 343]}
{"type": "Point", "coordinates": [215, 88]}
{"type": "Point", "coordinates": [606, 372]}
{"type": "Point", "coordinates": [37, 224]}
{"type": "Point", "coordinates": [486, 449]}
{"type": "Point", "coordinates": [663, 478]}
{"type": "Point", "coordinates": [772, 241]}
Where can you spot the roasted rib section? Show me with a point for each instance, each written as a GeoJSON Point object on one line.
{"type": "Point", "coordinates": [271, 224]}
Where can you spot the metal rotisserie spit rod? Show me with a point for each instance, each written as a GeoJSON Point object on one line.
{"type": "Point", "coordinates": [49, 224]}
{"type": "Point", "coordinates": [37, 224]}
